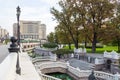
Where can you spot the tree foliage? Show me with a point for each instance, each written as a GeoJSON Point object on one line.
{"type": "Point", "coordinates": [63, 36]}
{"type": "Point", "coordinates": [50, 45]}
{"type": "Point", "coordinates": [86, 16]}
{"type": "Point", "coordinates": [51, 37]}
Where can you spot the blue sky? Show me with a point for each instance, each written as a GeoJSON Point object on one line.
{"type": "Point", "coordinates": [38, 10]}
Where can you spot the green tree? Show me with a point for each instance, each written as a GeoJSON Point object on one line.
{"type": "Point", "coordinates": [115, 22]}
{"type": "Point", "coordinates": [89, 15]}
{"type": "Point", "coordinates": [97, 13]}
{"type": "Point", "coordinates": [51, 37]}
{"type": "Point", "coordinates": [69, 18]}
{"type": "Point", "coordinates": [63, 36]}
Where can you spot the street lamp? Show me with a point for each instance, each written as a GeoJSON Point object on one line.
{"type": "Point", "coordinates": [18, 29]}
{"type": "Point", "coordinates": [18, 69]}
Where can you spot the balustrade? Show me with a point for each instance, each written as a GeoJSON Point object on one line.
{"type": "Point", "coordinates": [46, 77]}
{"type": "Point", "coordinates": [51, 65]}
{"type": "Point", "coordinates": [76, 71]}
{"type": "Point", "coordinates": [8, 67]}
{"type": "Point", "coordinates": [113, 55]}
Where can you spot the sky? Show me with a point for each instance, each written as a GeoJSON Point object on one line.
{"type": "Point", "coordinates": [37, 10]}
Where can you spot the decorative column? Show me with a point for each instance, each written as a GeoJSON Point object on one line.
{"type": "Point", "coordinates": [14, 48]}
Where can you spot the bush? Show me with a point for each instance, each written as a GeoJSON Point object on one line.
{"type": "Point", "coordinates": [62, 51]}
{"type": "Point", "coordinates": [50, 45]}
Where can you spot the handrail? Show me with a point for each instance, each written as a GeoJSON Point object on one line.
{"type": "Point", "coordinates": [46, 77]}
{"type": "Point", "coordinates": [51, 65]}
{"type": "Point", "coordinates": [8, 67]}
{"type": "Point", "coordinates": [49, 58]}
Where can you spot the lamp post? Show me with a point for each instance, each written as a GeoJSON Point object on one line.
{"type": "Point", "coordinates": [18, 69]}
{"type": "Point", "coordinates": [119, 39]}
{"type": "Point", "coordinates": [18, 29]}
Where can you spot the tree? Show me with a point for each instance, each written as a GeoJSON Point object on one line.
{"type": "Point", "coordinates": [89, 15]}
{"type": "Point", "coordinates": [69, 18]}
{"type": "Point", "coordinates": [97, 13]}
{"type": "Point", "coordinates": [63, 36]}
{"type": "Point", "coordinates": [51, 37]}
{"type": "Point", "coordinates": [115, 22]}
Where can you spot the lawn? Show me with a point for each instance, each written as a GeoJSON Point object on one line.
{"type": "Point", "coordinates": [105, 48]}
{"type": "Point", "coordinates": [99, 50]}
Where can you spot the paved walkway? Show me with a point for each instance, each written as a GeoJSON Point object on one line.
{"type": "Point", "coordinates": [3, 52]}
{"type": "Point", "coordinates": [28, 71]}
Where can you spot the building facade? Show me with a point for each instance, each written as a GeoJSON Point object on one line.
{"type": "Point", "coordinates": [4, 34]}
{"type": "Point", "coordinates": [30, 30]}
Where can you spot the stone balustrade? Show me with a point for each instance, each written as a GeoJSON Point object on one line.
{"type": "Point", "coordinates": [51, 65]}
{"type": "Point", "coordinates": [46, 77]}
{"type": "Point", "coordinates": [50, 57]}
{"type": "Point", "coordinates": [44, 58]}
{"type": "Point", "coordinates": [77, 72]}
{"type": "Point", "coordinates": [80, 50]}
{"type": "Point", "coordinates": [8, 67]}
{"type": "Point", "coordinates": [104, 75]}
{"type": "Point", "coordinates": [112, 55]}
{"type": "Point", "coordinates": [99, 61]}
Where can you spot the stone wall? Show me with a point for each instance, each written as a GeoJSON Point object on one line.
{"type": "Point", "coordinates": [99, 67]}
{"type": "Point", "coordinates": [115, 68]}
{"type": "Point", "coordinates": [52, 70]}
{"type": "Point", "coordinates": [75, 77]}
{"type": "Point", "coordinates": [61, 70]}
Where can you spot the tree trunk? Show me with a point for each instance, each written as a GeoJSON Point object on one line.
{"type": "Point", "coordinates": [118, 45]}
{"type": "Point", "coordinates": [94, 43]}
{"type": "Point", "coordinates": [76, 45]}
{"type": "Point", "coordinates": [76, 40]}
{"type": "Point", "coordinates": [69, 44]}
{"type": "Point", "coordinates": [85, 42]}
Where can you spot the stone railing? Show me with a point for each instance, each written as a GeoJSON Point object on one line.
{"type": "Point", "coordinates": [113, 55]}
{"type": "Point", "coordinates": [37, 59]}
{"type": "Point", "coordinates": [46, 77]}
{"type": "Point", "coordinates": [77, 72]}
{"type": "Point", "coordinates": [99, 61]}
{"type": "Point", "coordinates": [51, 65]}
{"type": "Point", "coordinates": [8, 67]}
{"type": "Point", "coordinates": [80, 50]}
{"type": "Point", "coordinates": [104, 75]}
{"type": "Point", "coordinates": [44, 58]}
{"type": "Point", "coordinates": [98, 74]}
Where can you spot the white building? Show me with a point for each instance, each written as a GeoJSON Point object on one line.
{"type": "Point", "coordinates": [4, 34]}
{"type": "Point", "coordinates": [30, 30]}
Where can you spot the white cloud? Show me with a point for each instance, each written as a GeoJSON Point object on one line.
{"type": "Point", "coordinates": [50, 1]}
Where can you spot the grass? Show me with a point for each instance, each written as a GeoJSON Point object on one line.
{"type": "Point", "coordinates": [105, 48]}
{"type": "Point", "coordinates": [99, 50]}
